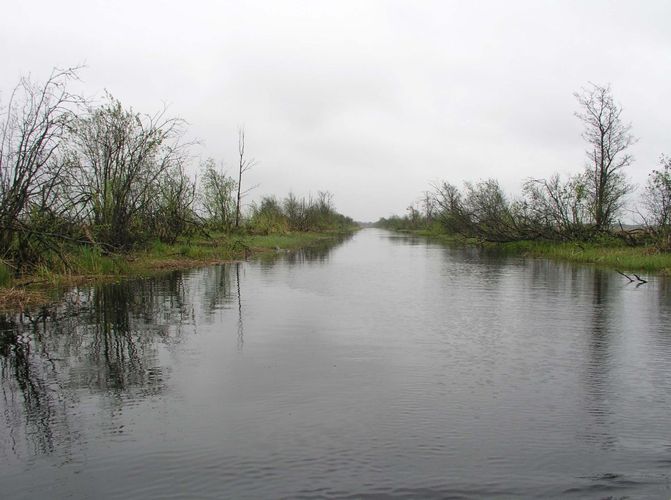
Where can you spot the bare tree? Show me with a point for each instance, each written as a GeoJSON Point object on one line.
{"type": "Point", "coordinates": [482, 211]}
{"type": "Point", "coordinates": [608, 139]}
{"type": "Point", "coordinates": [243, 166]}
{"type": "Point", "coordinates": [428, 205]}
{"type": "Point", "coordinates": [32, 128]}
{"type": "Point", "coordinates": [294, 210]}
{"type": "Point", "coordinates": [450, 207]}
{"type": "Point", "coordinates": [173, 214]}
{"type": "Point", "coordinates": [556, 208]}
{"type": "Point", "coordinates": [218, 196]}
{"type": "Point", "coordinates": [657, 202]}
{"type": "Point", "coordinates": [490, 212]}
{"type": "Point", "coordinates": [119, 159]}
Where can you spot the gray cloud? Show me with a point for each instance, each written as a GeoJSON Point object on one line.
{"type": "Point", "coordinates": [370, 100]}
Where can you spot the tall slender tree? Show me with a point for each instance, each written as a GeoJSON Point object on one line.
{"type": "Point", "coordinates": [608, 140]}
{"type": "Point", "coordinates": [244, 165]}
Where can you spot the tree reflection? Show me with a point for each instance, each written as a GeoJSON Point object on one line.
{"type": "Point", "coordinates": [102, 346]}
{"type": "Point", "coordinates": [599, 362]}
{"type": "Point", "coordinates": [119, 342]}
{"type": "Point", "coordinates": [26, 378]}
{"type": "Point", "coordinates": [102, 340]}
{"type": "Point", "coordinates": [217, 287]}
{"type": "Point", "coordinates": [317, 252]}
{"type": "Point", "coordinates": [241, 328]}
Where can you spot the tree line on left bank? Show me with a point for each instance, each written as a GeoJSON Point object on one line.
{"type": "Point", "coordinates": [103, 175]}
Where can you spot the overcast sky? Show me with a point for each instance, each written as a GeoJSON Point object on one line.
{"type": "Point", "coordinates": [371, 100]}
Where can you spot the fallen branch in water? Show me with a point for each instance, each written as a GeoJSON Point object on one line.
{"type": "Point", "coordinates": [620, 272]}
{"type": "Point", "coordinates": [631, 280]}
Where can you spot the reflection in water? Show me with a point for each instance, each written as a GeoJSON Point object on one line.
{"type": "Point", "coordinates": [101, 340]}
{"type": "Point", "coordinates": [599, 362]}
{"type": "Point", "coordinates": [392, 367]}
{"type": "Point", "coordinates": [105, 341]}
{"type": "Point", "coordinates": [217, 293]}
{"type": "Point", "coordinates": [26, 379]}
{"type": "Point", "coordinates": [241, 330]}
{"type": "Point", "coordinates": [119, 342]}
{"type": "Point", "coordinates": [317, 252]}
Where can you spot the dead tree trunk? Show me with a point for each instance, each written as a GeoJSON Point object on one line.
{"type": "Point", "coordinates": [243, 165]}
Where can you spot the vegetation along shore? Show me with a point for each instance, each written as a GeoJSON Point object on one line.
{"type": "Point", "coordinates": [608, 252]}
{"type": "Point", "coordinates": [98, 190]}
{"type": "Point", "coordinates": [85, 264]}
{"type": "Point", "coordinates": [585, 217]}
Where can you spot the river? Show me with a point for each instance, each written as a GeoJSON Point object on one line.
{"type": "Point", "coordinates": [383, 366]}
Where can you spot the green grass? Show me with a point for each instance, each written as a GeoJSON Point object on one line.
{"type": "Point", "coordinates": [83, 263]}
{"type": "Point", "coordinates": [158, 247]}
{"type": "Point", "coordinates": [5, 274]}
{"type": "Point", "coordinates": [88, 260]}
{"type": "Point", "coordinates": [609, 254]}
{"type": "Point", "coordinates": [286, 241]}
{"type": "Point", "coordinates": [219, 247]}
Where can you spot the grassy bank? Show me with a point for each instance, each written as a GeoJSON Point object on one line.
{"type": "Point", "coordinates": [85, 264]}
{"type": "Point", "coordinates": [611, 253]}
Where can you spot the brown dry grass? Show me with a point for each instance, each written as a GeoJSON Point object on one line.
{"type": "Point", "coordinates": [17, 299]}
{"type": "Point", "coordinates": [171, 264]}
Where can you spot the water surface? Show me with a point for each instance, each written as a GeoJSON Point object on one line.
{"type": "Point", "coordinates": [383, 367]}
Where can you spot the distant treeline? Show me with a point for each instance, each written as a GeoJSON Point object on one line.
{"type": "Point", "coordinates": [103, 175]}
{"type": "Point", "coordinates": [583, 207]}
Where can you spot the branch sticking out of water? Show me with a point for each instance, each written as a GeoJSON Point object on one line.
{"type": "Point", "coordinates": [631, 280]}
{"type": "Point", "coordinates": [620, 272]}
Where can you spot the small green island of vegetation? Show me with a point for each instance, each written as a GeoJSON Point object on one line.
{"type": "Point", "coordinates": [578, 218]}
{"type": "Point", "coordinates": [99, 191]}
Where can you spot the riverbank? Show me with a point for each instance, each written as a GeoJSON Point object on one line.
{"type": "Point", "coordinates": [613, 253]}
{"type": "Point", "coordinates": [85, 264]}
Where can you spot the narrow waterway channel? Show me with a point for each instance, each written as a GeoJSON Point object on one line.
{"type": "Point", "coordinates": [384, 366]}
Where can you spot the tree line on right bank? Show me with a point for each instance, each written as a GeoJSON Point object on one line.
{"type": "Point", "coordinates": [585, 206]}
